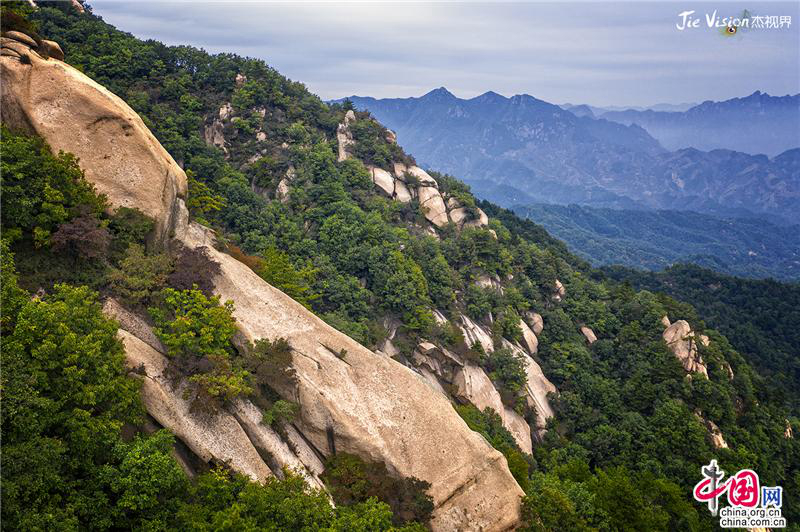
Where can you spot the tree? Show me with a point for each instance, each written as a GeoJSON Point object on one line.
{"type": "Point", "coordinates": [197, 331]}
{"type": "Point", "coordinates": [41, 190]}
{"type": "Point", "coordinates": [66, 396]}
{"type": "Point", "coordinates": [139, 276]}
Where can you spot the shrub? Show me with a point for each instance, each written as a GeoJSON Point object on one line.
{"type": "Point", "coordinates": [84, 236]}
{"type": "Point", "coordinates": [41, 190]}
{"type": "Point", "coordinates": [351, 481]}
{"type": "Point", "coordinates": [129, 226]}
{"type": "Point", "coordinates": [139, 276]}
{"type": "Point", "coordinates": [507, 369]}
{"type": "Point", "coordinates": [194, 269]}
{"type": "Point", "coordinates": [197, 332]}
{"type": "Point", "coordinates": [280, 411]}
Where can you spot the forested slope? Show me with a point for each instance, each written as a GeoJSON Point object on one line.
{"type": "Point", "coordinates": [292, 188]}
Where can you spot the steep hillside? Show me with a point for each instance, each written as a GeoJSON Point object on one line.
{"type": "Point", "coordinates": [540, 153]}
{"type": "Point", "coordinates": [654, 240]}
{"type": "Point", "coordinates": [762, 318]}
{"type": "Point", "coordinates": [758, 123]}
{"type": "Point", "coordinates": [377, 313]}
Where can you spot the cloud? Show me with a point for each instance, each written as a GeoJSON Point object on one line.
{"type": "Point", "coordinates": [602, 53]}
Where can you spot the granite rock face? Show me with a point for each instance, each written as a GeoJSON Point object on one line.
{"type": "Point", "coordinates": [682, 341]}
{"type": "Point", "coordinates": [117, 152]}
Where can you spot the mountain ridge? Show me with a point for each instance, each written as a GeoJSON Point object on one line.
{"type": "Point", "coordinates": [531, 145]}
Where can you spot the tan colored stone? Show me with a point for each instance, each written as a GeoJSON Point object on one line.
{"type": "Point", "coordinates": [117, 152]}
{"type": "Point", "coordinates": [21, 37]}
{"type": "Point", "coordinates": [559, 292]}
{"type": "Point", "coordinates": [665, 321]}
{"type": "Point", "coordinates": [519, 428]}
{"type": "Point", "coordinates": [529, 339]}
{"type": "Point", "coordinates": [269, 443]}
{"type": "Point", "coordinates": [423, 177]}
{"type": "Point", "coordinates": [588, 334]}
{"type": "Point", "coordinates": [218, 438]}
{"type": "Point", "coordinates": [472, 385]}
{"type": "Point", "coordinates": [535, 321]}
{"type": "Point", "coordinates": [371, 405]}
{"type": "Point", "coordinates": [681, 341]}
{"type": "Point", "coordinates": [475, 334]}
{"type": "Point", "coordinates": [384, 180]}
{"type": "Point", "coordinates": [432, 205]}
{"type": "Point", "coordinates": [401, 192]}
{"type": "Point", "coordinates": [53, 49]}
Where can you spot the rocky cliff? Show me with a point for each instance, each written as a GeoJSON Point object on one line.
{"type": "Point", "coordinates": [351, 399]}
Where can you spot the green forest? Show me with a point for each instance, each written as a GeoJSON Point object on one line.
{"type": "Point", "coordinates": [654, 240]}
{"type": "Point", "coordinates": [627, 441]}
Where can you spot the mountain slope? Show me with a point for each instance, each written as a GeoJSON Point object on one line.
{"type": "Point", "coordinates": [545, 154]}
{"type": "Point", "coordinates": [460, 307]}
{"type": "Point", "coordinates": [656, 239]}
{"type": "Point", "coordinates": [758, 123]}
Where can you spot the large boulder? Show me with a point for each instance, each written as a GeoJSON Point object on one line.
{"type": "Point", "coordinates": [432, 205]}
{"type": "Point", "coordinates": [529, 338]}
{"type": "Point", "coordinates": [357, 401]}
{"type": "Point", "coordinates": [472, 385]}
{"type": "Point", "coordinates": [535, 321]}
{"type": "Point", "coordinates": [682, 342]}
{"type": "Point", "coordinates": [72, 113]}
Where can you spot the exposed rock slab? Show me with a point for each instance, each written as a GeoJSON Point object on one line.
{"type": "Point", "coordinates": [432, 205]}
{"type": "Point", "coordinates": [472, 385]}
{"type": "Point", "coordinates": [117, 152]}
{"type": "Point", "coordinates": [588, 334]}
{"type": "Point", "coordinates": [535, 321]}
{"type": "Point", "coordinates": [529, 339]}
{"type": "Point", "coordinates": [370, 405]}
{"type": "Point", "coordinates": [682, 342]}
{"type": "Point", "coordinates": [217, 438]}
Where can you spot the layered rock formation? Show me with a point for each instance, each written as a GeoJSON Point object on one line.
{"type": "Point", "coordinates": [351, 399]}
{"type": "Point", "coordinates": [404, 183]}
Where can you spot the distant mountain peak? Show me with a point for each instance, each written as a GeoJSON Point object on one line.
{"type": "Point", "coordinates": [490, 96]}
{"type": "Point", "coordinates": [441, 93]}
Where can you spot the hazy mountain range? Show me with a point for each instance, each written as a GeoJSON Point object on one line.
{"type": "Point", "coordinates": [523, 150]}
{"type": "Point", "coordinates": [758, 123]}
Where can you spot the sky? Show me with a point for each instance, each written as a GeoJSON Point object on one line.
{"type": "Point", "coordinates": [593, 52]}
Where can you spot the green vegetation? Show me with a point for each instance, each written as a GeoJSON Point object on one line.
{"type": "Point", "coordinates": [353, 481]}
{"type": "Point", "coordinates": [761, 320]}
{"type": "Point", "coordinates": [622, 452]}
{"type": "Point", "coordinates": [197, 332]}
{"type": "Point", "coordinates": [654, 240]}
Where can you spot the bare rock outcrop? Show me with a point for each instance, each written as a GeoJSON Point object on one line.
{"type": "Point", "coordinates": [370, 405]}
{"type": "Point", "coordinates": [682, 342]}
{"type": "Point", "coordinates": [117, 152]}
{"type": "Point", "coordinates": [559, 291]}
{"type": "Point", "coordinates": [472, 385]}
{"type": "Point", "coordinates": [529, 339]}
{"type": "Point", "coordinates": [475, 334]}
{"type": "Point", "coordinates": [344, 136]}
{"type": "Point", "coordinates": [432, 204]}
{"type": "Point", "coordinates": [588, 334]}
{"type": "Point", "coordinates": [535, 321]}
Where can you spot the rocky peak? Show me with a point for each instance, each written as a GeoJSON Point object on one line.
{"type": "Point", "coordinates": [365, 402]}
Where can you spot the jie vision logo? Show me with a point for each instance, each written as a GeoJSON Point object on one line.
{"type": "Point", "coordinates": [731, 24]}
